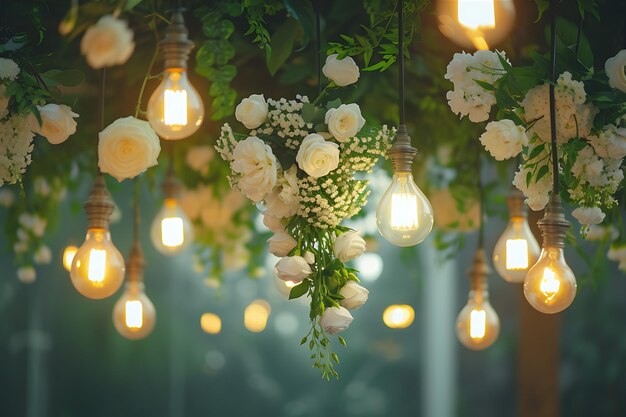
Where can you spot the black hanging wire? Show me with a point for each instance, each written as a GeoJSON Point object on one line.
{"type": "Point", "coordinates": [481, 202]}
{"type": "Point", "coordinates": [136, 211]}
{"type": "Point", "coordinates": [400, 7]}
{"type": "Point", "coordinates": [555, 157]}
{"type": "Point", "coordinates": [102, 93]}
{"type": "Point", "coordinates": [318, 45]}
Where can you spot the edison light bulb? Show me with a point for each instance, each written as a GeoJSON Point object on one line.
{"type": "Point", "coordinates": [517, 249]}
{"type": "Point", "coordinates": [550, 286]}
{"type": "Point", "coordinates": [98, 267]}
{"type": "Point", "coordinates": [134, 315]}
{"type": "Point", "coordinates": [479, 24]}
{"type": "Point", "coordinates": [172, 231]}
{"type": "Point", "coordinates": [404, 215]}
{"type": "Point", "coordinates": [175, 109]}
{"type": "Point", "coordinates": [477, 325]}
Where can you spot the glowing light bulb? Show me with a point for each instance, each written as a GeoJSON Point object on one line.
{"type": "Point", "coordinates": [398, 316]}
{"type": "Point", "coordinates": [175, 109]}
{"type": "Point", "coordinates": [404, 215]}
{"type": "Point", "coordinates": [68, 256]}
{"type": "Point", "coordinates": [98, 267]}
{"type": "Point", "coordinates": [255, 316]}
{"type": "Point", "coordinates": [550, 286]}
{"type": "Point", "coordinates": [134, 315]}
{"type": "Point", "coordinates": [516, 251]}
{"type": "Point", "coordinates": [172, 231]}
{"type": "Point", "coordinates": [480, 24]}
{"type": "Point", "coordinates": [477, 325]}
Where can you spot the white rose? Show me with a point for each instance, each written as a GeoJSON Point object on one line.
{"type": "Point", "coordinates": [7, 198]}
{"type": "Point", "coordinates": [292, 268]}
{"type": "Point", "coordinates": [198, 158]}
{"type": "Point", "coordinates": [26, 274]}
{"type": "Point", "coordinates": [281, 243]}
{"type": "Point", "coordinates": [588, 215]}
{"type": "Point", "coordinates": [8, 69]}
{"type": "Point", "coordinates": [610, 142]}
{"type": "Point", "coordinates": [255, 161]}
{"type": "Point", "coordinates": [284, 201]}
{"type": "Point", "coordinates": [345, 121]}
{"type": "Point", "coordinates": [354, 296]}
{"type": "Point", "coordinates": [341, 71]}
{"type": "Point", "coordinates": [504, 139]}
{"type": "Point", "coordinates": [275, 224]}
{"type": "Point", "coordinates": [309, 257]}
{"type": "Point", "coordinates": [348, 246]}
{"type": "Point", "coordinates": [252, 111]}
{"type": "Point", "coordinates": [109, 42]}
{"type": "Point", "coordinates": [614, 68]}
{"type": "Point", "coordinates": [4, 101]}
{"type": "Point", "coordinates": [336, 320]}
{"type": "Point", "coordinates": [317, 157]}
{"type": "Point", "coordinates": [43, 255]}
{"type": "Point", "coordinates": [127, 147]}
{"type": "Point", "coordinates": [57, 122]}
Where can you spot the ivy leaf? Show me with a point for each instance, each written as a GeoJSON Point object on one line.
{"type": "Point", "coordinates": [299, 290]}
{"type": "Point", "coordinates": [281, 45]}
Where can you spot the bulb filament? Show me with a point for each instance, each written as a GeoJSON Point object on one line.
{"type": "Point", "coordinates": [97, 266]}
{"type": "Point", "coordinates": [516, 254]}
{"type": "Point", "coordinates": [478, 324]}
{"type": "Point", "coordinates": [549, 285]}
{"type": "Point", "coordinates": [175, 107]}
{"type": "Point", "coordinates": [134, 314]}
{"type": "Point", "coordinates": [172, 233]}
{"type": "Point", "coordinates": [404, 211]}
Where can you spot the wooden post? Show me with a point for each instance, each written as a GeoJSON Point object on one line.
{"type": "Point", "coordinates": [538, 355]}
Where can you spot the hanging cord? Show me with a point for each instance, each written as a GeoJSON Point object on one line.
{"type": "Point", "coordinates": [102, 93]}
{"type": "Point", "coordinates": [401, 58]}
{"type": "Point", "coordinates": [136, 211]}
{"type": "Point", "coordinates": [481, 203]}
{"type": "Point", "coordinates": [578, 33]}
{"type": "Point", "coordinates": [318, 46]}
{"type": "Point", "coordinates": [555, 157]}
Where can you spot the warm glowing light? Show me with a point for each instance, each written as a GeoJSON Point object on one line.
{"type": "Point", "coordinates": [97, 265]}
{"type": "Point", "coordinates": [290, 284]}
{"type": "Point", "coordinates": [211, 323]}
{"type": "Point", "coordinates": [404, 211]}
{"type": "Point", "coordinates": [474, 14]}
{"type": "Point", "coordinates": [516, 254]}
{"type": "Point", "coordinates": [68, 256]}
{"type": "Point", "coordinates": [175, 107]}
{"type": "Point", "coordinates": [549, 284]}
{"type": "Point", "coordinates": [398, 316]}
{"type": "Point", "coordinates": [256, 315]}
{"type": "Point", "coordinates": [480, 43]}
{"type": "Point", "coordinates": [172, 231]}
{"type": "Point", "coordinates": [134, 314]}
{"type": "Point", "coordinates": [478, 324]}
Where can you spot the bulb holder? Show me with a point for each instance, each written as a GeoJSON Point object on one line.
{"type": "Point", "coordinates": [479, 271]}
{"type": "Point", "coordinates": [176, 45]}
{"type": "Point", "coordinates": [99, 207]}
{"type": "Point", "coordinates": [515, 202]}
{"type": "Point", "coordinates": [136, 263]}
{"type": "Point", "coordinates": [553, 225]}
{"type": "Point", "coordinates": [171, 186]}
{"type": "Point", "coordinates": [402, 154]}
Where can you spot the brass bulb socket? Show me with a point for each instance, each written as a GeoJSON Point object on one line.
{"type": "Point", "coordinates": [136, 263]}
{"type": "Point", "coordinates": [479, 271]}
{"type": "Point", "coordinates": [99, 206]}
{"type": "Point", "coordinates": [171, 187]}
{"type": "Point", "coordinates": [402, 154]}
{"type": "Point", "coordinates": [176, 45]}
{"type": "Point", "coordinates": [553, 225]}
{"type": "Point", "coordinates": [515, 202]}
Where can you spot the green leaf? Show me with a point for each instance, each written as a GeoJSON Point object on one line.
{"type": "Point", "coordinates": [303, 12]}
{"type": "Point", "coordinates": [535, 153]}
{"type": "Point", "coordinates": [312, 114]}
{"type": "Point", "coordinates": [68, 78]}
{"type": "Point", "coordinates": [299, 290]}
{"type": "Point", "coordinates": [541, 173]}
{"type": "Point", "coordinates": [333, 104]}
{"type": "Point", "coordinates": [486, 86]}
{"type": "Point", "coordinates": [342, 340]}
{"type": "Point", "coordinates": [281, 45]}
{"type": "Point", "coordinates": [335, 357]}
{"type": "Point", "coordinates": [303, 341]}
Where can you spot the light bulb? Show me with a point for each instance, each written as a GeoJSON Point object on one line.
{"type": "Point", "coordinates": [478, 24]}
{"type": "Point", "coordinates": [517, 249]}
{"type": "Point", "coordinates": [98, 267]}
{"type": "Point", "coordinates": [477, 325]}
{"type": "Point", "coordinates": [398, 316]}
{"type": "Point", "coordinates": [171, 231]}
{"type": "Point", "coordinates": [134, 315]}
{"type": "Point", "coordinates": [404, 215]}
{"type": "Point", "coordinates": [550, 286]}
{"type": "Point", "coordinates": [68, 256]}
{"type": "Point", "coordinates": [175, 109]}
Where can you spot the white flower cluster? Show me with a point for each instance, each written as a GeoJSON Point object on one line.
{"type": "Point", "coordinates": [9, 70]}
{"type": "Point", "coordinates": [537, 193]}
{"type": "Point", "coordinates": [574, 118]}
{"type": "Point", "coordinates": [284, 119]}
{"type": "Point", "coordinates": [468, 98]}
{"type": "Point", "coordinates": [16, 145]}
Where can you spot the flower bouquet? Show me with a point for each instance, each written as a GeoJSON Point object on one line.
{"type": "Point", "coordinates": [299, 163]}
